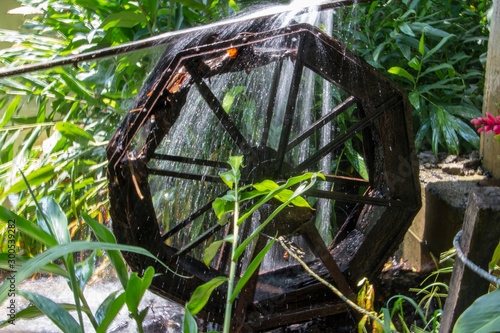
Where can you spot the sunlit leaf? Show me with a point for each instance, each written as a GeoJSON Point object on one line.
{"type": "Point", "coordinates": [11, 108]}
{"type": "Point", "coordinates": [212, 249]}
{"type": "Point", "coordinates": [72, 131]}
{"type": "Point", "coordinates": [202, 294]}
{"type": "Point", "coordinates": [401, 72]}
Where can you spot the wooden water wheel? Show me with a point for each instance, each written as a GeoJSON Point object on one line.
{"type": "Point", "coordinates": [379, 208]}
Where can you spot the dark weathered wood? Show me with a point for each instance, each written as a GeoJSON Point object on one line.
{"type": "Point", "coordinates": [373, 231]}
{"type": "Point", "coordinates": [480, 235]}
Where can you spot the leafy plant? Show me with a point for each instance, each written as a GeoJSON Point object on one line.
{"type": "Point", "coordinates": [230, 204]}
{"type": "Point", "coordinates": [75, 109]}
{"type": "Point", "coordinates": [436, 50]}
{"type": "Point", "coordinates": [52, 231]}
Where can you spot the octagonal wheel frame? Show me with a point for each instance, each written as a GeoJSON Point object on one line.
{"type": "Point", "coordinates": [390, 203]}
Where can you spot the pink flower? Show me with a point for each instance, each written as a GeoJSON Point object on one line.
{"type": "Point", "coordinates": [487, 124]}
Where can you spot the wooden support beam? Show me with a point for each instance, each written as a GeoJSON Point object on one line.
{"type": "Point", "coordinates": [490, 149]}
{"type": "Point", "coordinates": [480, 236]}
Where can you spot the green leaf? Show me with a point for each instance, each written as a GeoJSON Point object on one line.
{"type": "Point", "coordinates": [189, 324]}
{"type": "Point", "coordinates": [401, 72]}
{"type": "Point", "coordinates": [19, 260]}
{"type": "Point", "coordinates": [483, 316]}
{"type": "Point", "coordinates": [436, 68]}
{"type": "Point", "coordinates": [125, 19]}
{"type": "Point", "coordinates": [36, 263]}
{"type": "Point", "coordinates": [228, 178]}
{"type": "Point", "coordinates": [301, 189]}
{"type": "Point", "coordinates": [36, 177]}
{"type": "Point", "coordinates": [112, 312]}
{"type": "Point", "coordinates": [9, 112]}
{"type": "Point", "coordinates": [73, 132]}
{"type": "Point", "coordinates": [439, 46]}
{"type": "Point", "coordinates": [137, 287]}
{"type": "Point", "coordinates": [229, 97]}
{"type": "Point", "coordinates": [415, 64]}
{"type": "Point", "coordinates": [84, 270]}
{"type": "Point", "coordinates": [103, 234]}
{"type": "Point", "coordinates": [26, 227]}
{"type": "Point", "coordinates": [57, 222]}
{"type": "Point", "coordinates": [250, 270]}
{"type": "Point", "coordinates": [202, 294]}
{"type": "Point", "coordinates": [32, 312]}
{"type": "Point", "coordinates": [421, 45]}
{"type": "Point", "coordinates": [221, 207]}
{"type": "Point", "coordinates": [211, 250]}
{"type": "Point", "coordinates": [495, 258]}
{"type": "Point", "coordinates": [405, 28]}
{"type": "Point", "coordinates": [104, 307]}
{"type": "Point", "coordinates": [56, 313]}
{"type": "Point", "coordinates": [414, 98]}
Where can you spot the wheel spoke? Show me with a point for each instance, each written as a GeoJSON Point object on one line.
{"type": "Point", "coordinates": [321, 122]}
{"type": "Point", "coordinates": [174, 230]}
{"type": "Point", "coordinates": [343, 137]}
{"type": "Point", "coordinates": [189, 160]}
{"type": "Point", "coordinates": [346, 197]}
{"type": "Point", "coordinates": [207, 234]}
{"type": "Point", "coordinates": [185, 175]}
{"type": "Point", "coordinates": [290, 108]}
{"type": "Point", "coordinates": [346, 180]}
{"type": "Point", "coordinates": [218, 110]}
{"type": "Point", "coordinates": [272, 103]}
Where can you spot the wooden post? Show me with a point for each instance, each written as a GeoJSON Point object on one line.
{"type": "Point", "coordinates": [481, 233]}
{"type": "Point", "coordinates": [490, 149]}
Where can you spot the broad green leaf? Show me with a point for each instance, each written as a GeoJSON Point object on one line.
{"type": "Point", "coordinates": [284, 195]}
{"type": "Point", "coordinates": [103, 234]}
{"type": "Point", "coordinates": [202, 294]}
{"type": "Point", "coordinates": [26, 227]}
{"type": "Point", "coordinates": [439, 46]}
{"type": "Point", "coordinates": [125, 19]}
{"type": "Point", "coordinates": [464, 130]}
{"type": "Point", "coordinates": [110, 315]}
{"type": "Point", "coordinates": [10, 111]}
{"type": "Point", "coordinates": [421, 45]}
{"type": "Point", "coordinates": [250, 270]}
{"type": "Point", "coordinates": [32, 312]}
{"type": "Point", "coordinates": [228, 178]}
{"type": "Point", "coordinates": [221, 207]}
{"type": "Point", "coordinates": [53, 215]}
{"type": "Point", "coordinates": [36, 263]}
{"type": "Point", "coordinates": [436, 68]}
{"type": "Point", "coordinates": [15, 264]}
{"type": "Point", "coordinates": [290, 182]}
{"type": "Point", "coordinates": [405, 28]}
{"type": "Point", "coordinates": [137, 287]}
{"type": "Point", "coordinates": [230, 96]}
{"type": "Point", "coordinates": [401, 72]}
{"type": "Point", "coordinates": [189, 324]}
{"type": "Point", "coordinates": [483, 316]}
{"type": "Point", "coordinates": [56, 313]}
{"type": "Point", "coordinates": [73, 132]}
{"type": "Point", "coordinates": [84, 270]}
{"type": "Point", "coordinates": [211, 250]}
{"type": "Point", "coordinates": [104, 307]}
{"type": "Point", "coordinates": [495, 258]}
{"type": "Point", "coordinates": [465, 111]}
{"type": "Point", "coordinates": [301, 189]}
{"type": "Point", "coordinates": [414, 98]}
{"type": "Point", "coordinates": [415, 64]}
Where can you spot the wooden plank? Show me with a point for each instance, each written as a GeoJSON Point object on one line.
{"type": "Point", "coordinates": [481, 232]}
{"type": "Point", "coordinates": [490, 149]}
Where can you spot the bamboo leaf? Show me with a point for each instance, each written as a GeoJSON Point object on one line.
{"type": "Point", "coordinates": [18, 261]}
{"type": "Point", "coordinates": [73, 132]}
{"type": "Point", "coordinates": [52, 214]}
{"type": "Point", "coordinates": [36, 177]}
{"type": "Point", "coordinates": [32, 312]}
{"type": "Point", "coordinates": [104, 307]}
{"type": "Point", "coordinates": [26, 227]}
{"type": "Point", "coordinates": [9, 112]}
{"type": "Point", "coordinates": [125, 19]}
